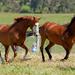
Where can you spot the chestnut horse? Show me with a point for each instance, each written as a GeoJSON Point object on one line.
{"type": "Point", "coordinates": [57, 34]}
{"type": "Point", "coordinates": [15, 35]}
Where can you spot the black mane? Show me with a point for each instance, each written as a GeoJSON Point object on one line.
{"type": "Point", "coordinates": [73, 19]}
{"type": "Point", "coordinates": [69, 29]}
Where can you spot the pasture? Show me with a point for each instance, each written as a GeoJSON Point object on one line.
{"type": "Point", "coordinates": [35, 66]}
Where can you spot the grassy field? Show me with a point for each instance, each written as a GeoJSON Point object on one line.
{"type": "Point", "coordinates": [35, 66]}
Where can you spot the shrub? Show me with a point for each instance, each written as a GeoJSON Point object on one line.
{"type": "Point", "coordinates": [25, 8]}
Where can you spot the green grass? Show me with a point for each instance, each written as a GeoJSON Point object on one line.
{"type": "Point", "coordinates": [58, 18]}
{"type": "Point", "coordinates": [35, 66]}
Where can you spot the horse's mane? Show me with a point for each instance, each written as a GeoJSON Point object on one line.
{"type": "Point", "coordinates": [23, 18]}
{"type": "Point", "coordinates": [69, 30]}
{"type": "Point", "coordinates": [16, 21]}
{"type": "Point", "coordinates": [19, 19]}
{"type": "Point", "coordinates": [73, 19]}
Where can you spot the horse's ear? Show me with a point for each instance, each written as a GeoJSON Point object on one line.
{"type": "Point", "coordinates": [18, 19]}
{"type": "Point", "coordinates": [36, 18]}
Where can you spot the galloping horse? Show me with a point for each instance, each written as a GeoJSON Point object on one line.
{"type": "Point", "coordinates": [57, 34]}
{"type": "Point", "coordinates": [15, 35]}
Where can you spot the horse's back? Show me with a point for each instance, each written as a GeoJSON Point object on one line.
{"type": "Point", "coordinates": [52, 27]}
{"type": "Point", "coordinates": [4, 27]}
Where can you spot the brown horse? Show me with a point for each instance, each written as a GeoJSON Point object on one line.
{"type": "Point", "coordinates": [5, 28]}
{"type": "Point", "coordinates": [55, 34]}
{"type": "Point", "coordinates": [15, 35]}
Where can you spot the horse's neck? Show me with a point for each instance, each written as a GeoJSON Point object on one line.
{"type": "Point", "coordinates": [21, 28]}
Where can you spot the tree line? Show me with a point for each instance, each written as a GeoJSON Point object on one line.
{"type": "Point", "coordinates": [38, 6]}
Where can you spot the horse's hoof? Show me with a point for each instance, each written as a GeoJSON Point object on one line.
{"type": "Point", "coordinates": [7, 62]}
{"type": "Point", "coordinates": [49, 59]}
{"type": "Point", "coordinates": [62, 60]}
{"type": "Point", "coordinates": [12, 59]}
{"type": "Point", "coordinates": [15, 55]}
{"type": "Point", "coordinates": [43, 60]}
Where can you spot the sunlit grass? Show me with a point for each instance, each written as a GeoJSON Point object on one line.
{"type": "Point", "coordinates": [35, 66]}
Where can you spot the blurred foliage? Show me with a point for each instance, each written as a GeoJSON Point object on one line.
{"type": "Point", "coordinates": [38, 6]}
{"type": "Point", "coordinates": [25, 8]}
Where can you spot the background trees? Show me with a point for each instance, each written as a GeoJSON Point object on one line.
{"type": "Point", "coordinates": [38, 6]}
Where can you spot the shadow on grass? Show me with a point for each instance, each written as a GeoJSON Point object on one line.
{"type": "Point", "coordinates": [25, 59]}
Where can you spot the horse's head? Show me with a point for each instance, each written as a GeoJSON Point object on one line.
{"type": "Point", "coordinates": [71, 27]}
{"type": "Point", "coordinates": [32, 21]}
{"type": "Point", "coordinates": [29, 20]}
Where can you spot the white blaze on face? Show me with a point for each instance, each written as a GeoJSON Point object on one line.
{"type": "Point", "coordinates": [37, 23]}
{"type": "Point", "coordinates": [36, 28]}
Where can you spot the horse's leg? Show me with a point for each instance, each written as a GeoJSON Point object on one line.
{"type": "Point", "coordinates": [14, 50]}
{"type": "Point", "coordinates": [23, 46]}
{"type": "Point", "coordinates": [41, 48]}
{"type": "Point", "coordinates": [67, 54]}
{"type": "Point", "coordinates": [47, 49]}
{"type": "Point", "coordinates": [6, 53]}
{"type": "Point", "coordinates": [67, 49]}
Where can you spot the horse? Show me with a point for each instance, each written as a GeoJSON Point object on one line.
{"type": "Point", "coordinates": [63, 35]}
{"type": "Point", "coordinates": [15, 35]}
